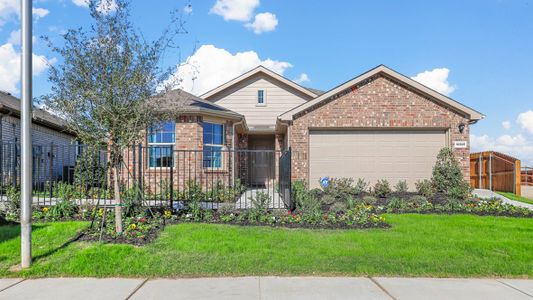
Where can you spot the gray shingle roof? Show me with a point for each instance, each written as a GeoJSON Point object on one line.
{"type": "Point", "coordinates": [11, 104]}
{"type": "Point", "coordinates": [183, 102]}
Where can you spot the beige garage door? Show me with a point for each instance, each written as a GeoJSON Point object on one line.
{"type": "Point", "coordinates": [372, 155]}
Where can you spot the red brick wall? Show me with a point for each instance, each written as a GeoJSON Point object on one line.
{"type": "Point", "coordinates": [188, 164]}
{"type": "Point", "coordinates": [378, 102]}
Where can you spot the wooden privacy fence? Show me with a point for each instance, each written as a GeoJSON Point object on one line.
{"type": "Point", "coordinates": [527, 176]}
{"type": "Point", "coordinates": [495, 171]}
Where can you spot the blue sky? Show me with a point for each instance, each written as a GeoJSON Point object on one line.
{"type": "Point", "coordinates": [477, 52]}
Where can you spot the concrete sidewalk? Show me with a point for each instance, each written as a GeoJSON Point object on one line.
{"type": "Point", "coordinates": [267, 288]}
{"type": "Point", "coordinates": [487, 194]}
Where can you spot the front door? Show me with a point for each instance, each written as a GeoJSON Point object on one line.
{"type": "Point", "coordinates": [262, 159]}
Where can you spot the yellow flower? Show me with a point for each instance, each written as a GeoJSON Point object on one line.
{"type": "Point", "coordinates": [133, 226]}
{"type": "Point", "coordinates": [167, 213]}
{"type": "Point", "coordinates": [45, 209]}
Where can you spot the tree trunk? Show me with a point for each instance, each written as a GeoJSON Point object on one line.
{"type": "Point", "coordinates": [118, 200]}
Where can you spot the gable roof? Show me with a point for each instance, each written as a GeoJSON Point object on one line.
{"type": "Point", "coordinates": [261, 69]}
{"type": "Point", "coordinates": [183, 102]}
{"type": "Point", "coordinates": [472, 114]}
{"type": "Point", "coordinates": [12, 105]}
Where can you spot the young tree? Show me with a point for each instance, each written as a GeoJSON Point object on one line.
{"type": "Point", "coordinates": [105, 87]}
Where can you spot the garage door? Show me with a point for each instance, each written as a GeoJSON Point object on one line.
{"type": "Point", "coordinates": [373, 155]}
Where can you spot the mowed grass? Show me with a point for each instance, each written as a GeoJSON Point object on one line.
{"type": "Point", "coordinates": [516, 197]}
{"type": "Point", "coordinates": [416, 245]}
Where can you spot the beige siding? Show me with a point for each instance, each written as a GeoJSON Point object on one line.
{"type": "Point", "coordinates": [242, 98]}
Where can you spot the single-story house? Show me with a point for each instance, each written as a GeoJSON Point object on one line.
{"type": "Point", "coordinates": [53, 148]}
{"type": "Point", "coordinates": [377, 125]}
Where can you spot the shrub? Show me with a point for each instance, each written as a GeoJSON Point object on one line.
{"type": "Point", "coordinates": [418, 201]}
{"type": "Point", "coordinates": [193, 191]}
{"type": "Point", "coordinates": [395, 204]}
{"type": "Point", "coordinates": [382, 188]}
{"type": "Point", "coordinates": [12, 205]}
{"type": "Point", "coordinates": [401, 186]}
{"type": "Point", "coordinates": [360, 187]}
{"type": "Point", "coordinates": [261, 202]}
{"type": "Point", "coordinates": [132, 201]}
{"type": "Point", "coordinates": [226, 209]}
{"type": "Point", "coordinates": [460, 191]}
{"type": "Point", "coordinates": [369, 200]}
{"type": "Point", "coordinates": [425, 188]}
{"type": "Point", "coordinates": [447, 174]}
{"type": "Point", "coordinates": [327, 199]}
{"type": "Point", "coordinates": [338, 207]}
{"type": "Point", "coordinates": [63, 208]}
{"type": "Point", "coordinates": [340, 188]}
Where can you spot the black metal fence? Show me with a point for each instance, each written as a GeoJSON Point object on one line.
{"type": "Point", "coordinates": [156, 175]}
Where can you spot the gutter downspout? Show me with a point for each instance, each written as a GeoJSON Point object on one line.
{"type": "Point", "coordinates": [234, 152]}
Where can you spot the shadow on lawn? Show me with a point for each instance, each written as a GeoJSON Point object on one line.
{"type": "Point", "coordinates": [12, 231]}
{"type": "Point", "coordinates": [55, 250]}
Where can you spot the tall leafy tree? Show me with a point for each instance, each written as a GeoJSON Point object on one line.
{"type": "Point", "coordinates": [107, 82]}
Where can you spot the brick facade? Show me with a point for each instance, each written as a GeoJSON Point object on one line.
{"type": "Point", "coordinates": [188, 160]}
{"type": "Point", "coordinates": [378, 102]}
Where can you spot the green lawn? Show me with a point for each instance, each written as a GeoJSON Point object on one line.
{"type": "Point", "coordinates": [516, 197]}
{"type": "Point", "coordinates": [421, 245]}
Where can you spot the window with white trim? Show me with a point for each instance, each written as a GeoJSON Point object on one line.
{"type": "Point", "coordinates": [261, 97]}
{"type": "Point", "coordinates": [161, 141]}
{"type": "Point", "coordinates": [213, 144]}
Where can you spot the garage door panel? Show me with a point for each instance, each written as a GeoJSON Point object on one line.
{"type": "Point", "coordinates": [372, 155]}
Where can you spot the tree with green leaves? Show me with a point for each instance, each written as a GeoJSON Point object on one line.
{"type": "Point", "coordinates": [107, 82]}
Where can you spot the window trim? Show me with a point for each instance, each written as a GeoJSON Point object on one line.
{"type": "Point", "coordinates": [264, 98]}
{"type": "Point", "coordinates": [222, 146]}
{"type": "Point", "coordinates": [154, 145]}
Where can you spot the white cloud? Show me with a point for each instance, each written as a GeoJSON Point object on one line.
{"type": "Point", "coordinates": [104, 6]}
{"type": "Point", "coordinates": [40, 12]}
{"type": "Point", "coordinates": [82, 3]}
{"type": "Point", "coordinates": [14, 37]}
{"type": "Point", "coordinates": [10, 67]}
{"type": "Point", "coordinates": [236, 10]}
{"type": "Point", "coordinates": [506, 125]}
{"type": "Point", "coordinates": [517, 146]}
{"type": "Point", "coordinates": [187, 9]}
{"type": "Point", "coordinates": [8, 8]}
{"type": "Point", "coordinates": [302, 78]}
{"type": "Point", "coordinates": [11, 8]}
{"type": "Point", "coordinates": [436, 79]}
{"type": "Point", "coordinates": [525, 120]}
{"type": "Point", "coordinates": [263, 22]}
{"type": "Point", "coordinates": [210, 67]}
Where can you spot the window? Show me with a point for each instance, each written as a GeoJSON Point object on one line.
{"type": "Point", "coordinates": [161, 139]}
{"type": "Point", "coordinates": [260, 97]}
{"type": "Point", "coordinates": [213, 143]}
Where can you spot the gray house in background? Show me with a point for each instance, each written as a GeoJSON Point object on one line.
{"type": "Point", "coordinates": [54, 149]}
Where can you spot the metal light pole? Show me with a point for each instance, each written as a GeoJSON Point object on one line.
{"type": "Point", "coordinates": [26, 116]}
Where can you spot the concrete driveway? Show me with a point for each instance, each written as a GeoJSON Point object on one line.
{"type": "Point", "coordinates": [267, 288]}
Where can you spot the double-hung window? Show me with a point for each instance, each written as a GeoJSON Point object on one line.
{"type": "Point", "coordinates": [213, 144]}
{"type": "Point", "coordinates": [161, 139]}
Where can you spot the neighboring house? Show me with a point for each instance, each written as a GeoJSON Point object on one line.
{"type": "Point", "coordinates": [52, 143]}
{"type": "Point", "coordinates": [378, 125]}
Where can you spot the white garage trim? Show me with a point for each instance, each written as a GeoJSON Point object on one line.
{"type": "Point", "coordinates": [372, 154]}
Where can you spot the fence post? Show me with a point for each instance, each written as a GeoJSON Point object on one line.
{"type": "Point", "coordinates": [51, 159]}
{"type": "Point", "coordinates": [490, 171]}
{"type": "Point", "coordinates": [139, 172]}
{"type": "Point", "coordinates": [480, 167]}
{"type": "Point", "coordinates": [172, 177]}
{"type": "Point", "coordinates": [517, 178]}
